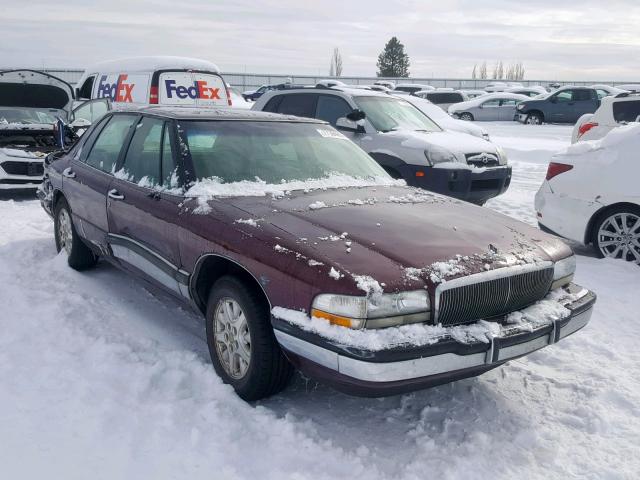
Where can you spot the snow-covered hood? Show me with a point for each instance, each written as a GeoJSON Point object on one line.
{"type": "Point", "coordinates": [33, 89]}
{"type": "Point", "coordinates": [381, 231]}
{"type": "Point", "coordinates": [458, 143]}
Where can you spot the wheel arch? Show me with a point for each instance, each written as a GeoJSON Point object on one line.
{"type": "Point", "coordinates": [537, 112]}
{"type": "Point", "coordinates": [589, 234]}
{"type": "Point", "coordinates": [212, 266]}
{"type": "Point", "coordinates": [389, 162]}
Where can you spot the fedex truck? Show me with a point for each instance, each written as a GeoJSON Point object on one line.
{"type": "Point", "coordinates": [160, 80]}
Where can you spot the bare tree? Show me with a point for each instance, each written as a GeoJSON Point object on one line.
{"type": "Point", "coordinates": [483, 71]}
{"type": "Point", "coordinates": [335, 69]}
{"type": "Point", "coordinates": [473, 73]}
{"type": "Point", "coordinates": [500, 70]}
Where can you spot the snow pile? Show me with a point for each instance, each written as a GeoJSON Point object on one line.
{"type": "Point", "coordinates": [542, 313]}
{"type": "Point", "coordinates": [317, 205]}
{"type": "Point", "coordinates": [369, 285]}
{"type": "Point", "coordinates": [439, 271]}
{"type": "Point", "coordinates": [215, 187]}
{"type": "Point", "coordinates": [419, 196]}
{"type": "Point", "coordinates": [249, 221]}
{"type": "Point", "coordinates": [335, 274]}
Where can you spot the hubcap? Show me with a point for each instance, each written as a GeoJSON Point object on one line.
{"type": "Point", "coordinates": [619, 237]}
{"type": "Point", "coordinates": [65, 235]}
{"type": "Point", "coordinates": [232, 338]}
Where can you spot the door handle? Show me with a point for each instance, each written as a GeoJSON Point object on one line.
{"type": "Point", "coordinates": [67, 172]}
{"type": "Point", "coordinates": [115, 194]}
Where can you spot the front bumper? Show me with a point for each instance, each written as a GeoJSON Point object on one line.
{"type": "Point", "coordinates": [521, 117]}
{"type": "Point", "coordinates": [20, 173]}
{"type": "Point", "coordinates": [389, 372]}
{"type": "Point", "coordinates": [475, 185]}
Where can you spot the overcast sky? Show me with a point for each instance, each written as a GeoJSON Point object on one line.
{"type": "Point", "coordinates": [555, 39]}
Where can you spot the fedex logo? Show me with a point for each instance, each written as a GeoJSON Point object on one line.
{"type": "Point", "coordinates": [121, 91]}
{"type": "Point", "coordinates": [200, 89]}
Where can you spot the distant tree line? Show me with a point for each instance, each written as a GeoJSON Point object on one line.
{"type": "Point", "coordinates": [514, 71]}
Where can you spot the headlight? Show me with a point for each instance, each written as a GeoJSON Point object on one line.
{"type": "Point", "coordinates": [521, 106]}
{"type": "Point", "coordinates": [439, 155]}
{"type": "Point", "coordinates": [386, 310]}
{"type": "Point", "coordinates": [563, 271]}
{"type": "Point", "coordinates": [502, 156]}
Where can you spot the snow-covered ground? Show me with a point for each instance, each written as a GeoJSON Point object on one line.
{"type": "Point", "coordinates": [101, 379]}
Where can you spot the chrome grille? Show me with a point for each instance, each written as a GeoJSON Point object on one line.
{"type": "Point", "coordinates": [490, 294]}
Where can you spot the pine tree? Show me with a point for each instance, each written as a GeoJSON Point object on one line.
{"type": "Point", "coordinates": [393, 62]}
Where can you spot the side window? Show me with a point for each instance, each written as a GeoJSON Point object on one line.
{"type": "Point", "coordinates": [564, 96]}
{"type": "Point", "coordinates": [628, 111]}
{"type": "Point", "coordinates": [273, 104]}
{"type": "Point", "coordinates": [491, 103]}
{"type": "Point", "coordinates": [331, 108]}
{"type": "Point", "coordinates": [508, 102]}
{"type": "Point", "coordinates": [300, 105]}
{"type": "Point", "coordinates": [85, 90]}
{"type": "Point", "coordinates": [581, 95]}
{"type": "Point", "coordinates": [142, 161]}
{"type": "Point", "coordinates": [91, 110]}
{"type": "Point", "coordinates": [106, 149]}
{"type": "Point", "coordinates": [601, 94]}
{"type": "Point", "coordinates": [88, 139]}
{"type": "Point", "coordinates": [167, 168]}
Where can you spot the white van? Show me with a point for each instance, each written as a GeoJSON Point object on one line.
{"type": "Point", "coordinates": [155, 80]}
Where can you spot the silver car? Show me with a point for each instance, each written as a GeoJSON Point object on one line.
{"type": "Point", "coordinates": [499, 106]}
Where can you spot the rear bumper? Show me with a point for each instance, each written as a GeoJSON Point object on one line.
{"type": "Point", "coordinates": [475, 185]}
{"type": "Point", "coordinates": [389, 372]}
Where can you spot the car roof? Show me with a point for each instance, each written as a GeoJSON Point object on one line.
{"type": "Point", "coordinates": [356, 92]}
{"type": "Point", "coordinates": [216, 113]}
{"type": "Point", "coordinates": [151, 63]}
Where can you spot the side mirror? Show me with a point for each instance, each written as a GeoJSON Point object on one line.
{"type": "Point", "coordinates": [348, 125]}
{"type": "Point", "coordinates": [356, 115]}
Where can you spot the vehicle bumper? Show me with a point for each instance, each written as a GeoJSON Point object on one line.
{"type": "Point", "coordinates": [20, 173]}
{"type": "Point", "coordinates": [399, 370]}
{"type": "Point", "coordinates": [475, 185]}
{"type": "Point", "coordinates": [521, 117]}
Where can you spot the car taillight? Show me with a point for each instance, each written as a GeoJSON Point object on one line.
{"type": "Point", "coordinates": [585, 127]}
{"type": "Point", "coordinates": [153, 95]}
{"type": "Point", "coordinates": [556, 169]}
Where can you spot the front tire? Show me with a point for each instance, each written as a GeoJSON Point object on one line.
{"type": "Point", "coordinates": [79, 256]}
{"type": "Point", "coordinates": [466, 116]}
{"type": "Point", "coordinates": [616, 234]}
{"type": "Point", "coordinates": [533, 119]}
{"type": "Point", "coordinates": [242, 345]}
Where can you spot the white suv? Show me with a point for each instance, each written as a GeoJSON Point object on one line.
{"type": "Point", "coordinates": [622, 109]}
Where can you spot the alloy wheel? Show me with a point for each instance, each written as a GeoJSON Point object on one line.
{"type": "Point", "coordinates": [232, 338]}
{"type": "Point", "coordinates": [619, 237]}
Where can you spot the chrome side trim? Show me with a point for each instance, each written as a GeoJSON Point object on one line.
{"type": "Point", "coordinates": [484, 277]}
{"type": "Point", "coordinates": [423, 366]}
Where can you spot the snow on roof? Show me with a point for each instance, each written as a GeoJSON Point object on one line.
{"type": "Point", "coordinates": [151, 63]}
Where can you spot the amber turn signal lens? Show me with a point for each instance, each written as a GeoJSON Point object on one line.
{"type": "Point", "coordinates": [419, 173]}
{"type": "Point", "coordinates": [333, 319]}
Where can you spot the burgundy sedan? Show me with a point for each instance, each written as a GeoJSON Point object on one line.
{"type": "Point", "coordinates": [300, 251]}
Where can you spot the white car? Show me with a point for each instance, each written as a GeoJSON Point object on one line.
{"type": "Point", "coordinates": [613, 112]}
{"type": "Point", "coordinates": [532, 91]}
{"type": "Point", "coordinates": [630, 87]}
{"type": "Point", "coordinates": [443, 98]}
{"type": "Point", "coordinates": [473, 93]}
{"type": "Point", "coordinates": [446, 121]}
{"type": "Point", "coordinates": [499, 106]}
{"type": "Point", "coordinates": [592, 194]}
{"type": "Point", "coordinates": [606, 90]}
{"type": "Point", "coordinates": [412, 87]}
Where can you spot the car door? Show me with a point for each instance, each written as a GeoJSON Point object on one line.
{"type": "Point", "coordinates": [508, 109]}
{"type": "Point", "coordinates": [142, 206]}
{"type": "Point", "coordinates": [559, 109]}
{"type": "Point", "coordinates": [488, 111]}
{"type": "Point", "coordinates": [583, 100]}
{"type": "Point", "coordinates": [87, 178]}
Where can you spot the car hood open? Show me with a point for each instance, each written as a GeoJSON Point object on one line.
{"type": "Point", "coordinates": [33, 89]}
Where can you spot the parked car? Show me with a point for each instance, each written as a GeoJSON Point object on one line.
{"type": "Point", "coordinates": [532, 91]}
{"type": "Point", "coordinates": [320, 254]}
{"type": "Point", "coordinates": [412, 87]}
{"type": "Point", "coordinates": [444, 120]}
{"type": "Point", "coordinates": [163, 80]}
{"type": "Point", "coordinates": [385, 83]}
{"type": "Point", "coordinates": [473, 93]}
{"type": "Point", "coordinates": [237, 99]}
{"type": "Point", "coordinates": [565, 105]}
{"type": "Point", "coordinates": [253, 95]}
{"type": "Point", "coordinates": [615, 111]}
{"type": "Point", "coordinates": [630, 87]}
{"type": "Point", "coordinates": [37, 117]}
{"type": "Point", "coordinates": [407, 143]}
{"type": "Point", "coordinates": [592, 194]}
{"type": "Point", "coordinates": [489, 107]}
{"type": "Point", "coordinates": [331, 82]}
{"type": "Point", "coordinates": [607, 90]}
{"type": "Point", "coordinates": [444, 99]}
{"type": "Point", "coordinates": [496, 87]}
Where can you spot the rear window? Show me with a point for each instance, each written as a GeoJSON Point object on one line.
{"type": "Point", "coordinates": [626, 111]}
{"type": "Point", "coordinates": [122, 87]}
{"type": "Point", "coordinates": [445, 97]}
{"type": "Point", "coordinates": [192, 88]}
{"type": "Point", "coordinates": [300, 105]}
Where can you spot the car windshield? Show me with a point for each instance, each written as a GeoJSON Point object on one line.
{"type": "Point", "coordinates": [388, 113]}
{"type": "Point", "coordinates": [28, 115]}
{"type": "Point", "coordinates": [273, 152]}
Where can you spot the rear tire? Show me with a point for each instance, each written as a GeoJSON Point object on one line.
{"type": "Point", "coordinates": [466, 116]}
{"type": "Point", "coordinates": [79, 256]}
{"type": "Point", "coordinates": [242, 345]}
{"type": "Point", "coordinates": [616, 234]}
{"type": "Point", "coordinates": [533, 119]}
